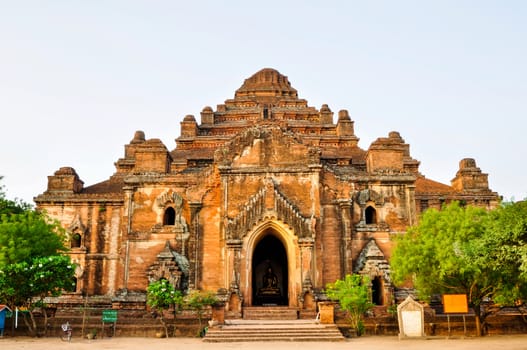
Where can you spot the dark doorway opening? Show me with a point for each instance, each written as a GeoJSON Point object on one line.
{"type": "Point", "coordinates": [376, 291]}
{"type": "Point", "coordinates": [269, 272]}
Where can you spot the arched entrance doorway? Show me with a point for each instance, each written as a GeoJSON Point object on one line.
{"type": "Point", "coordinates": [270, 272]}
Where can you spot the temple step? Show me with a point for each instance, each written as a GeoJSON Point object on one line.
{"type": "Point", "coordinates": [273, 330]}
{"type": "Point", "coordinates": [270, 313]}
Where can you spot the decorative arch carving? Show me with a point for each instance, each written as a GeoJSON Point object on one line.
{"type": "Point", "coordinates": [255, 211]}
{"type": "Point", "coordinates": [76, 232]}
{"type": "Point", "coordinates": [169, 197]}
{"type": "Point", "coordinates": [367, 195]}
{"type": "Point", "coordinates": [373, 263]}
{"type": "Point", "coordinates": [171, 266]}
{"type": "Point", "coordinates": [169, 201]}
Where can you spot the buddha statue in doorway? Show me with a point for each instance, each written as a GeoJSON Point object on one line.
{"type": "Point", "coordinates": [269, 283]}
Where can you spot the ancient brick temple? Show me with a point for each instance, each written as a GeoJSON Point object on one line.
{"type": "Point", "coordinates": [265, 200]}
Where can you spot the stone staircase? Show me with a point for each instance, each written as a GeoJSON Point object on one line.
{"type": "Point", "coordinates": [270, 313]}
{"type": "Point", "coordinates": [273, 330]}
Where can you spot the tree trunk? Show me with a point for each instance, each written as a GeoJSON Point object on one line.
{"type": "Point", "coordinates": [477, 311]}
{"type": "Point", "coordinates": [44, 333]}
{"type": "Point", "coordinates": [175, 316]}
{"type": "Point", "coordinates": [31, 324]}
{"type": "Point", "coordinates": [164, 324]}
{"type": "Point", "coordinates": [478, 326]}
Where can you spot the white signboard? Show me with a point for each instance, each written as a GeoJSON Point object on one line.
{"type": "Point", "coordinates": [411, 319]}
{"type": "Point", "coordinates": [412, 326]}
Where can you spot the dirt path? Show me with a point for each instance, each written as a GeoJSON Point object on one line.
{"type": "Point", "coordinates": [515, 342]}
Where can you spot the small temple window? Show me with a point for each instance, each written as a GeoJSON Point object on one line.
{"type": "Point", "coordinates": [371, 215]}
{"type": "Point", "coordinates": [76, 240]}
{"type": "Point", "coordinates": [424, 204]}
{"type": "Point", "coordinates": [72, 286]}
{"type": "Point", "coordinates": [169, 217]}
{"type": "Point", "coordinates": [265, 113]}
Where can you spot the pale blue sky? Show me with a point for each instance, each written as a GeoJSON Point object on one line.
{"type": "Point", "coordinates": [77, 78]}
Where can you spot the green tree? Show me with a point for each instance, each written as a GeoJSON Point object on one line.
{"type": "Point", "coordinates": [26, 284]}
{"type": "Point", "coordinates": [502, 254]}
{"type": "Point", "coordinates": [352, 293]}
{"type": "Point", "coordinates": [28, 235]}
{"type": "Point", "coordinates": [32, 266]}
{"type": "Point", "coordinates": [199, 301]}
{"type": "Point", "coordinates": [161, 296]}
{"type": "Point", "coordinates": [456, 250]}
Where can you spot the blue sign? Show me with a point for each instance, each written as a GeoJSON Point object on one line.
{"type": "Point", "coordinates": [2, 321]}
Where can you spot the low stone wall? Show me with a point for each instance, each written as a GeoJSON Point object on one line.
{"type": "Point", "coordinates": [142, 323]}
{"type": "Point", "coordinates": [130, 323]}
{"type": "Point", "coordinates": [438, 325]}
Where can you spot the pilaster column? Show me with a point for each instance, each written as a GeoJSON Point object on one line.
{"type": "Point", "coordinates": [128, 202]}
{"type": "Point", "coordinates": [346, 249]}
{"type": "Point", "coordinates": [195, 208]}
{"type": "Point", "coordinates": [306, 246]}
{"type": "Point", "coordinates": [410, 202]}
{"type": "Point", "coordinates": [234, 248]}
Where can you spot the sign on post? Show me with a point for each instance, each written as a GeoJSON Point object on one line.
{"type": "Point", "coordinates": [109, 316]}
{"type": "Point", "coordinates": [455, 304]}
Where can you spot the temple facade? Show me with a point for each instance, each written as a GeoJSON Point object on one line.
{"type": "Point", "coordinates": [265, 201]}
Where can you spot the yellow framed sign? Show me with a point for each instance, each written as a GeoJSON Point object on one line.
{"type": "Point", "coordinates": [455, 304]}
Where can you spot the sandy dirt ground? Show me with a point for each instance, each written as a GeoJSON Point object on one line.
{"type": "Point", "coordinates": [515, 342]}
